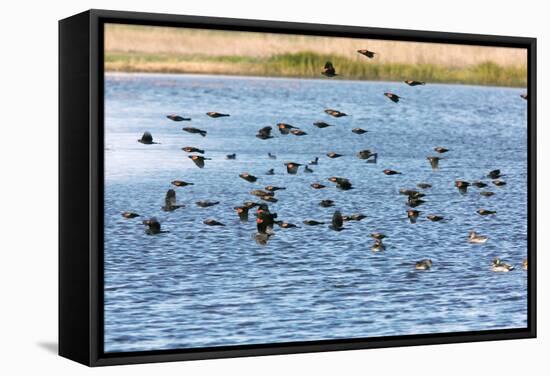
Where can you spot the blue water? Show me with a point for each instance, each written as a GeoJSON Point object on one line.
{"type": "Point", "coordinates": [199, 286]}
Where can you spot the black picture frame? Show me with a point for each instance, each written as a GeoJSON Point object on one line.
{"type": "Point", "coordinates": [81, 186]}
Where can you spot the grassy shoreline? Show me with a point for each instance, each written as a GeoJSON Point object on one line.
{"type": "Point", "coordinates": [309, 64]}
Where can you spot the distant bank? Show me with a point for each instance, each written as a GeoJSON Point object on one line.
{"type": "Point", "coordinates": [309, 65]}
{"type": "Point", "coordinates": [180, 50]}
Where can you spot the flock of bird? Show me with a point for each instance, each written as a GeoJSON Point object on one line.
{"type": "Point", "coordinates": [266, 219]}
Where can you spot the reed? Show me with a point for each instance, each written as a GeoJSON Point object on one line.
{"type": "Point", "coordinates": [309, 64]}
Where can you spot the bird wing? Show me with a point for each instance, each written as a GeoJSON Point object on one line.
{"type": "Point", "coordinates": [284, 130]}
{"type": "Point", "coordinates": [265, 131]}
{"type": "Point", "coordinates": [329, 68]}
{"type": "Point", "coordinates": [153, 223]}
{"type": "Point", "coordinates": [199, 162]}
{"type": "Point", "coordinates": [337, 220]}
{"type": "Point", "coordinates": [170, 199]}
{"type": "Point", "coordinates": [147, 137]}
{"type": "Point", "coordinates": [261, 225]}
{"type": "Point", "coordinates": [154, 226]}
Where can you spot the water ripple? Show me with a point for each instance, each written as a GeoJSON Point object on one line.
{"type": "Point", "coordinates": [212, 286]}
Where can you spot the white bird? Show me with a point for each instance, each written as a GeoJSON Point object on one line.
{"type": "Point", "coordinates": [474, 237]}
{"type": "Point", "coordinates": [500, 266]}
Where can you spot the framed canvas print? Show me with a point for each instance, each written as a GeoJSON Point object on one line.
{"type": "Point", "coordinates": [235, 187]}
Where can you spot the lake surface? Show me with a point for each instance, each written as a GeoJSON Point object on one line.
{"type": "Point", "coordinates": [201, 286]}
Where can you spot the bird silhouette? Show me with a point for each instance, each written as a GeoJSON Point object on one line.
{"type": "Point", "coordinates": [249, 178]}
{"type": "Point", "coordinates": [206, 204]}
{"type": "Point", "coordinates": [414, 83]}
{"type": "Point", "coordinates": [170, 203]}
{"type": "Point", "coordinates": [329, 70]}
{"type": "Point", "coordinates": [412, 215]}
{"type": "Point", "coordinates": [367, 53]}
{"type": "Point", "coordinates": [393, 97]}
{"type": "Point", "coordinates": [153, 226]}
{"type": "Point", "coordinates": [425, 264]}
{"type": "Point", "coordinates": [434, 162]}
{"type": "Point", "coordinates": [337, 222]}
{"type": "Point", "coordinates": [297, 132]}
{"type": "Point", "coordinates": [311, 222]}
{"type": "Point", "coordinates": [326, 203]}
{"type": "Point", "coordinates": [216, 114]}
{"type": "Point", "coordinates": [129, 215]}
{"type": "Point", "coordinates": [292, 167]}
{"type": "Point", "coordinates": [285, 129]}
{"type": "Point", "coordinates": [194, 131]}
{"type": "Point", "coordinates": [175, 117]}
{"type": "Point", "coordinates": [335, 113]}
{"type": "Point", "coordinates": [198, 160]}
{"type": "Point", "coordinates": [147, 139]}
{"type": "Point", "coordinates": [191, 149]}
{"type": "Point", "coordinates": [180, 183]}
{"type": "Point", "coordinates": [391, 172]}
{"type": "Point", "coordinates": [486, 212]}
{"type": "Point", "coordinates": [264, 133]}
{"type": "Point", "coordinates": [242, 212]}
{"type": "Point", "coordinates": [322, 124]}
{"type": "Point", "coordinates": [212, 222]}
{"type": "Point", "coordinates": [462, 186]}
{"type": "Point", "coordinates": [359, 131]}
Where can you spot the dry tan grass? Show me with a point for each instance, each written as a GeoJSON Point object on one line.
{"type": "Point", "coordinates": [179, 67]}
{"type": "Point", "coordinates": [185, 42]}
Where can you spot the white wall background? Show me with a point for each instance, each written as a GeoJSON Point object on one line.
{"type": "Point", "coordinates": [28, 210]}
